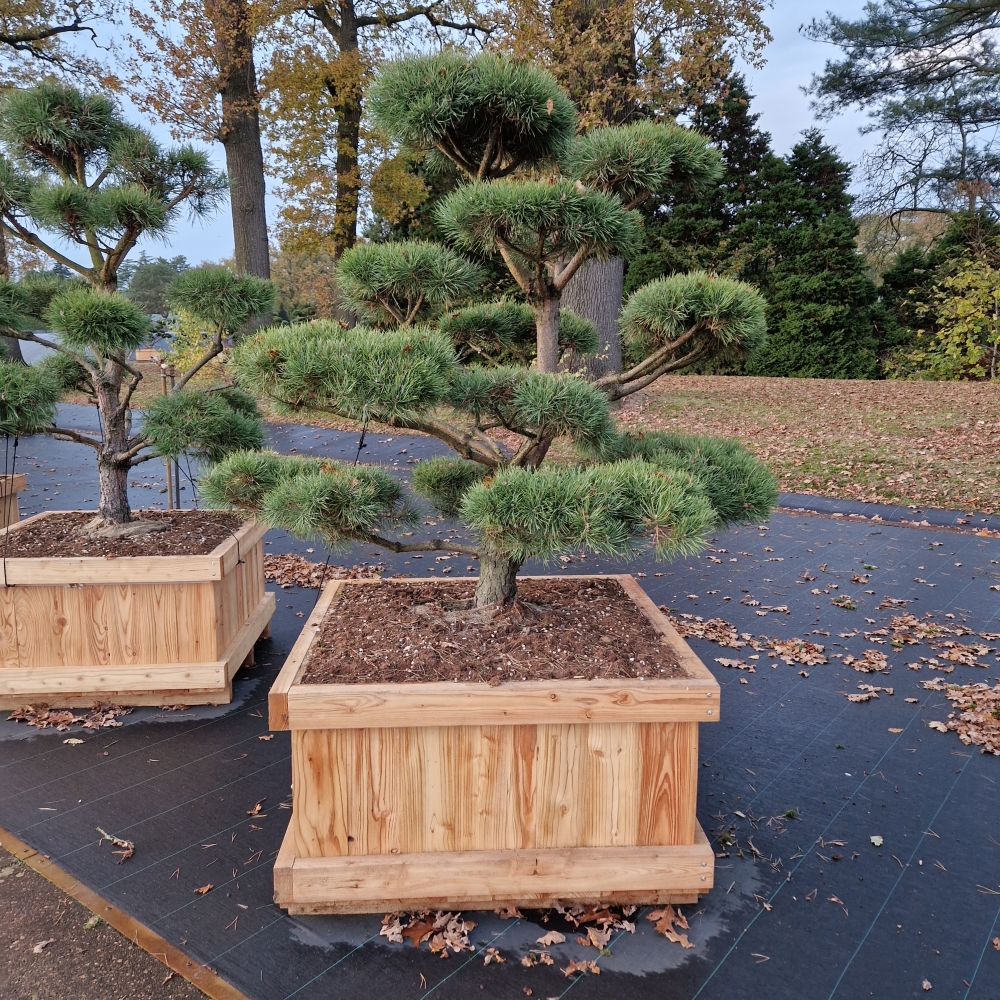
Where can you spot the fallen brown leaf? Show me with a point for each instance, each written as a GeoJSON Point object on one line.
{"type": "Point", "coordinates": [205, 889]}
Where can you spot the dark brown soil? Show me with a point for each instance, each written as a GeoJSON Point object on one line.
{"type": "Point", "coordinates": [394, 631]}
{"type": "Point", "coordinates": [79, 962]}
{"type": "Point", "coordinates": [192, 533]}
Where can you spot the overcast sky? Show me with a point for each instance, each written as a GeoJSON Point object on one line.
{"type": "Point", "coordinates": [785, 113]}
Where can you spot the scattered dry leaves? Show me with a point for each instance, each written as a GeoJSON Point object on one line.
{"type": "Point", "coordinates": [582, 966]}
{"type": "Point", "coordinates": [443, 930]}
{"type": "Point", "coordinates": [102, 715]}
{"type": "Point", "coordinates": [289, 570]}
{"type": "Point", "coordinates": [125, 847]}
{"type": "Point", "coordinates": [977, 719]}
{"type": "Point", "coordinates": [809, 654]}
{"type": "Point", "coordinates": [663, 921]}
{"type": "Point", "coordinates": [870, 662]}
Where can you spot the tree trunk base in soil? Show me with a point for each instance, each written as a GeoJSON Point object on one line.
{"type": "Point", "coordinates": [497, 580]}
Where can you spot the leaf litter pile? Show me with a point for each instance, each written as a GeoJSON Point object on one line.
{"type": "Point", "coordinates": [976, 718]}
{"type": "Point", "coordinates": [290, 570]}
{"type": "Point", "coordinates": [446, 932]}
{"type": "Point", "coordinates": [428, 631]}
{"type": "Point", "coordinates": [102, 715]}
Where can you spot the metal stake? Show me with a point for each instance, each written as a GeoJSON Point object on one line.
{"type": "Point", "coordinates": [170, 485]}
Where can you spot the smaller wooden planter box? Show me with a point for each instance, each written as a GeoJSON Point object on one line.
{"type": "Point", "coordinates": [10, 486]}
{"type": "Point", "coordinates": [464, 795]}
{"type": "Point", "coordinates": [135, 631]}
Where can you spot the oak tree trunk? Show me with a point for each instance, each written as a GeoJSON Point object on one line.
{"type": "Point", "coordinates": [595, 293]}
{"type": "Point", "coordinates": [497, 578]}
{"type": "Point", "coordinates": [241, 134]}
{"type": "Point", "coordinates": [547, 327]}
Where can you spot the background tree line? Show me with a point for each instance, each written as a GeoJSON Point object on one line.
{"type": "Point", "coordinates": [896, 282]}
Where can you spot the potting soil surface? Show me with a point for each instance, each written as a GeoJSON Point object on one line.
{"type": "Point", "coordinates": [177, 533]}
{"type": "Point", "coordinates": [858, 852]}
{"type": "Point", "coordinates": [405, 632]}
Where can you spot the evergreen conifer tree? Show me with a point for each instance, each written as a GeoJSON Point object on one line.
{"type": "Point", "coordinates": [797, 238]}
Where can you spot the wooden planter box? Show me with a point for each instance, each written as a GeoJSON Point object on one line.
{"type": "Point", "coordinates": [136, 631]}
{"type": "Point", "coordinates": [10, 486]}
{"type": "Point", "coordinates": [464, 795]}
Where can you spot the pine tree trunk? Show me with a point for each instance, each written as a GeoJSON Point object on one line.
{"type": "Point", "coordinates": [116, 427]}
{"type": "Point", "coordinates": [497, 579]}
{"type": "Point", "coordinates": [547, 326]}
{"type": "Point", "coordinates": [595, 293]}
{"type": "Point", "coordinates": [11, 345]}
{"type": "Point", "coordinates": [241, 134]}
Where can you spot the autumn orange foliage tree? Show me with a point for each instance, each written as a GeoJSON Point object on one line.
{"type": "Point", "coordinates": [323, 56]}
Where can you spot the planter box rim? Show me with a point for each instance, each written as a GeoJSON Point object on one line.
{"type": "Point", "coordinates": [294, 705]}
{"type": "Point", "coordinates": [28, 570]}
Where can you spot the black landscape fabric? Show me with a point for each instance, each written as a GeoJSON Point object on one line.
{"type": "Point", "coordinates": [805, 905]}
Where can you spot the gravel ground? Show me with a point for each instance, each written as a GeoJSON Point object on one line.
{"type": "Point", "coordinates": [82, 960]}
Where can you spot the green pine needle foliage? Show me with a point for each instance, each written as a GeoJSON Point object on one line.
{"type": "Point", "coordinates": [488, 111]}
{"type": "Point", "coordinates": [549, 405]}
{"type": "Point", "coordinates": [28, 398]}
{"type": "Point", "coordinates": [68, 373]}
{"type": "Point", "coordinates": [644, 157]}
{"type": "Point", "coordinates": [207, 425]}
{"type": "Point", "coordinates": [358, 373]}
{"type": "Point", "coordinates": [739, 486]}
{"type": "Point", "coordinates": [88, 320]}
{"type": "Point", "coordinates": [541, 222]}
{"type": "Point", "coordinates": [503, 333]}
{"type": "Point", "coordinates": [401, 283]}
{"type": "Point", "coordinates": [731, 314]}
{"type": "Point", "coordinates": [608, 509]}
{"type": "Point", "coordinates": [444, 481]}
{"type": "Point", "coordinates": [222, 299]}
{"type": "Point", "coordinates": [331, 501]}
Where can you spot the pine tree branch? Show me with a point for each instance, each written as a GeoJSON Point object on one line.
{"type": "Point", "coordinates": [623, 389]}
{"type": "Point", "coordinates": [469, 444]}
{"type": "Point", "coordinates": [562, 279]}
{"type": "Point", "coordinates": [126, 400]}
{"type": "Point", "coordinates": [143, 458]}
{"type": "Point", "coordinates": [432, 545]}
{"type": "Point", "coordinates": [13, 227]}
{"type": "Point", "coordinates": [65, 434]}
{"type": "Point", "coordinates": [214, 351]}
{"type": "Point", "coordinates": [651, 363]}
{"type": "Point", "coordinates": [78, 358]}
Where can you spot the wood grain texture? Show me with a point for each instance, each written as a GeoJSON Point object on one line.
{"type": "Point", "coordinates": [72, 638]}
{"type": "Point", "coordinates": [395, 784]}
{"type": "Point", "coordinates": [485, 788]}
{"type": "Point", "coordinates": [371, 884]}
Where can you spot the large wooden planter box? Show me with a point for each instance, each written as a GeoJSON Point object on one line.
{"type": "Point", "coordinates": [10, 486]}
{"type": "Point", "coordinates": [466, 795]}
{"type": "Point", "coordinates": [136, 631]}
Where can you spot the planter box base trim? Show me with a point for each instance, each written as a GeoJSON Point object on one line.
{"type": "Point", "coordinates": [139, 684]}
{"type": "Point", "coordinates": [379, 883]}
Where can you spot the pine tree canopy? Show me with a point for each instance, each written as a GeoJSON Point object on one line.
{"type": "Point", "coordinates": [625, 492]}
{"type": "Point", "coordinates": [685, 318]}
{"type": "Point", "coordinates": [73, 166]}
{"type": "Point", "coordinates": [401, 283]}
{"type": "Point", "coordinates": [488, 115]}
{"type": "Point", "coordinates": [499, 333]}
{"type": "Point", "coordinates": [97, 330]}
{"type": "Point", "coordinates": [220, 298]}
{"type": "Point", "coordinates": [535, 225]}
{"type": "Point", "coordinates": [644, 158]}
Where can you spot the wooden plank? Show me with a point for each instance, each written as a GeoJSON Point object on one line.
{"type": "Point", "coordinates": [13, 484]}
{"type": "Point", "coordinates": [277, 700]}
{"type": "Point", "coordinates": [133, 684]}
{"type": "Point", "coordinates": [359, 706]}
{"type": "Point", "coordinates": [375, 883]}
{"type": "Point", "coordinates": [668, 778]}
{"type": "Point", "coordinates": [235, 548]}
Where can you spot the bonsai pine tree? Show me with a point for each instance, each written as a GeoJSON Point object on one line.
{"type": "Point", "coordinates": [621, 491]}
{"type": "Point", "coordinates": [73, 167]}
{"type": "Point", "coordinates": [493, 117]}
{"type": "Point", "coordinates": [96, 331]}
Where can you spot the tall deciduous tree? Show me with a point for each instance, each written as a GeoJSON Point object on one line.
{"type": "Point", "coordinates": [202, 81]}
